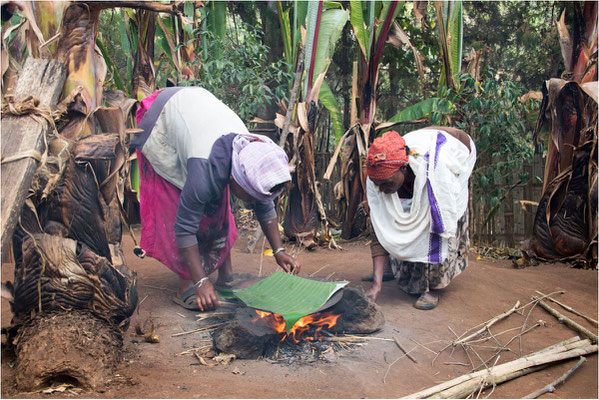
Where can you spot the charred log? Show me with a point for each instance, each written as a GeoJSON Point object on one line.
{"type": "Point", "coordinates": [358, 314]}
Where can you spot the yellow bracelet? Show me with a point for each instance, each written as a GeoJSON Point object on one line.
{"type": "Point", "coordinates": [277, 251]}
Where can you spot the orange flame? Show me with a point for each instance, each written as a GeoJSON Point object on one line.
{"type": "Point", "coordinates": [303, 325]}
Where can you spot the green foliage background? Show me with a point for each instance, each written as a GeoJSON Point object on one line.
{"type": "Point", "coordinates": [245, 68]}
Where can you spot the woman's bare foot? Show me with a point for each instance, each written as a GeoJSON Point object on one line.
{"type": "Point", "coordinates": [225, 272]}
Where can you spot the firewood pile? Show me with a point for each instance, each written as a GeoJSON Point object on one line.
{"type": "Point", "coordinates": [486, 373]}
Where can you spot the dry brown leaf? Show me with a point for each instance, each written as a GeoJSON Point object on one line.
{"type": "Point", "coordinates": [279, 121]}
{"type": "Point", "coordinates": [59, 388]}
{"type": "Point", "coordinates": [203, 362]}
{"type": "Point", "coordinates": [302, 116]}
{"type": "Point", "coordinates": [224, 359]}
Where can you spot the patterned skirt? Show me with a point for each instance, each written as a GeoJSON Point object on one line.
{"type": "Point", "coordinates": [417, 278]}
{"type": "Point", "coordinates": [158, 201]}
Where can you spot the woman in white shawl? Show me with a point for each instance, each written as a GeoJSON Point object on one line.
{"type": "Point", "coordinates": [417, 189]}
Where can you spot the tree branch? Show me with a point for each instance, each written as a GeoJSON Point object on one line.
{"type": "Point", "coordinates": [171, 8]}
{"type": "Point", "coordinates": [551, 387]}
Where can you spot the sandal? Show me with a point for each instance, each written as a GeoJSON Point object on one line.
{"type": "Point", "coordinates": [424, 304]}
{"type": "Point", "coordinates": [188, 299]}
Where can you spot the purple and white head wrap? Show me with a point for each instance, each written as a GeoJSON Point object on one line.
{"type": "Point", "coordinates": [258, 165]}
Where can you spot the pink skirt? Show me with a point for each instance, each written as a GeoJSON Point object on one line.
{"type": "Point", "coordinates": [158, 202]}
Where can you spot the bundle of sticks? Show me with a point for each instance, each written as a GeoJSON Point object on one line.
{"type": "Point", "coordinates": [468, 384]}
{"type": "Point", "coordinates": [475, 382]}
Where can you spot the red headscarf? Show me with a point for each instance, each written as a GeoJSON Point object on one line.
{"type": "Point", "coordinates": [386, 155]}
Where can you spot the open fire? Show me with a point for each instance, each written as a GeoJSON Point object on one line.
{"type": "Point", "coordinates": [307, 328]}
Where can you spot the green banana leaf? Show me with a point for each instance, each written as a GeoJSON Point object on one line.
{"type": "Point", "coordinates": [455, 37]}
{"type": "Point", "coordinates": [217, 18]}
{"type": "Point", "coordinates": [328, 32]}
{"type": "Point", "coordinates": [116, 76]}
{"type": "Point", "coordinates": [331, 26]}
{"type": "Point", "coordinates": [453, 17]}
{"type": "Point", "coordinates": [134, 177]}
{"type": "Point", "coordinates": [359, 27]}
{"type": "Point", "coordinates": [421, 109]}
{"type": "Point", "coordinates": [189, 11]}
{"type": "Point", "coordinates": [290, 296]}
{"type": "Point", "coordinates": [312, 28]}
{"type": "Point", "coordinates": [327, 98]}
{"type": "Point", "coordinates": [286, 32]}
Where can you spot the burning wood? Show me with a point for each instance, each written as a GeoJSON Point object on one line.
{"type": "Point", "coordinates": [307, 328]}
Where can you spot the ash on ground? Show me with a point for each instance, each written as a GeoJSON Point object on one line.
{"type": "Point", "coordinates": [305, 352]}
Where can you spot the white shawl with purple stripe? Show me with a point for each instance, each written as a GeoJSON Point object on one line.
{"type": "Point", "coordinates": [442, 168]}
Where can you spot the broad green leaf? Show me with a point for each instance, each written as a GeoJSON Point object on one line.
{"type": "Point", "coordinates": [421, 109]}
{"type": "Point", "coordinates": [359, 27]}
{"type": "Point", "coordinates": [118, 81]}
{"type": "Point", "coordinates": [327, 98]}
{"type": "Point", "coordinates": [331, 5]}
{"type": "Point", "coordinates": [134, 177]}
{"type": "Point", "coordinates": [188, 12]}
{"type": "Point", "coordinates": [125, 45]}
{"type": "Point", "coordinates": [163, 41]}
{"type": "Point", "coordinates": [312, 23]}
{"type": "Point", "coordinates": [331, 26]}
{"type": "Point", "coordinates": [217, 18]}
{"type": "Point", "coordinates": [286, 32]}
{"type": "Point", "coordinates": [292, 297]}
{"type": "Point", "coordinates": [301, 7]}
{"type": "Point", "coordinates": [455, 38]}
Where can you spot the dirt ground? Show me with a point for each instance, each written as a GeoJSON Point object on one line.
{"type": "Point", "coordinates": [485, 289]}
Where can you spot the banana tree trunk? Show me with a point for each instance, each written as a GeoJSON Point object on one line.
{"type": "Point", "coordinates": [67, 247]}
{"type": "Point", "coordinates": [565, 225]}
{"type": "Point", "coordinates": [301, 217]}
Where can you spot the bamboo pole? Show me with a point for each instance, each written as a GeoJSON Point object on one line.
{"type": "Point", "coordinates": [498, 373]}
{"type": "Point", "coordinates": [551, 387]}
{"type": "Point", "coordinates": [511, 370]}
{"type": "Point", "coordinates": [565, 320]}
{"type": "Point", "coordinates": [573, 311]}
{"type": "Point", "coordinates": [568, 343]}
{"type": "Point", "coordinates": [481, 384]}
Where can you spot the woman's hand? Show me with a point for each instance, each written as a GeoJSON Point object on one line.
{"type": "Point", "coordinates": [374, 292]}
{"type": "Point", "coordinates": [378, 267]}
{"type": "Point", "coordinates": [288, 263]}
{"type": "Point", "coordinates": [206, 296]}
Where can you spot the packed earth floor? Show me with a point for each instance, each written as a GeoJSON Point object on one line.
{"type": "Point", "coordinates": [369, 369]}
